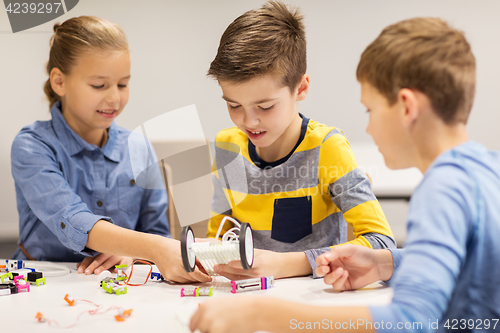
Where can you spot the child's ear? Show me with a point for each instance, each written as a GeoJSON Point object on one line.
{"type": "Point", "coordinates": [302, 88]}
{"type": "Point", "coordinates": [410, 106]}
{"type": "Point", "coordinates": [57, 80]}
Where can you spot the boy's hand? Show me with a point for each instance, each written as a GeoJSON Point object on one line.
{"type": "Point", "coordinates": [267, 263]}
{"type": "Point", "coordinates": [169, 261]}
{"type": "Point", "coordinates": [100, 263]}
{"type": "Point", "coordinates": [348, 267]}
{"type": "Point", "coordinates": [208, 240]}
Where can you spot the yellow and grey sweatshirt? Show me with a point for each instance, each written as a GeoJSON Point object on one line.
{"type": "Point", "coordinates": [301, 202]}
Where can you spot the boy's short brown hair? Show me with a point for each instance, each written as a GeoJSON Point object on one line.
{"type": "Point", "coordinates": [427, 55]}
{"type": "Point", "coordinates": [269, 40]}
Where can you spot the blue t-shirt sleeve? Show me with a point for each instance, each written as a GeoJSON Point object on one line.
{"type": "Point", "coordinates": [438, 226]}
{"type": "Point", "coordinates": [39, 177]}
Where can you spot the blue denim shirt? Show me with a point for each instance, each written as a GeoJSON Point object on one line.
{"type": "Point", "coordinates": [64, 185]}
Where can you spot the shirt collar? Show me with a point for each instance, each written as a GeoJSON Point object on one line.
{"type": "Point", "coordinates": [75, 143]}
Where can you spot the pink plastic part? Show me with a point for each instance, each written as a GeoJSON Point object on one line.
{"type": "Point", "coordinates": [233, 287]}
{"type": "Point", "coordinates": [182, 292]}
{"type": "Point", "coordinates": [21, 286]}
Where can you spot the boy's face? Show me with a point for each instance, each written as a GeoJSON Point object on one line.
{"type": "Point", "coordinates": [263, 109]}
{"type": "Point", "coordinates": [386, 127]}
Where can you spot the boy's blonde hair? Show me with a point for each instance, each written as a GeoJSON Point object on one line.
{"type": "Point", "coordinates": [427, 55]}
{"type": "Point", "coordinates": [77, 37]}
{"type": "Point", "coordinates": [269, 40]}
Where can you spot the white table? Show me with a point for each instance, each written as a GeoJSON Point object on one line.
{"type": "Point", "coordinates": [157, 306]}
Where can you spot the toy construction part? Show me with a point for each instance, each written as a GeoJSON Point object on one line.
{"type": "Point", "coordinates": [113, 286]}
{"type": "Point", "coordinates": [261, 283]}
{"type": "Point", "coordinates": [197, 292]}
{"type": "Point", "coordinates": [233, 247]}
{"type": "Point", "coordinates": [8, 289]}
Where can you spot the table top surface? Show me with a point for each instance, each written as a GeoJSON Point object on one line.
{"type": "Point", "coordinates": [156, 305]}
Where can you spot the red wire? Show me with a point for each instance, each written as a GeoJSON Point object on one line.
{"type": "Point", "coordinates": [132, 271]}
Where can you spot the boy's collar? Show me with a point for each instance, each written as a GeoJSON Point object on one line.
{"type": "Point", "coordinates": [252, 152]}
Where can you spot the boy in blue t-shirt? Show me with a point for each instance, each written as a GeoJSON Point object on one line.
{"type": "Point", "coordinates": [418, 82]}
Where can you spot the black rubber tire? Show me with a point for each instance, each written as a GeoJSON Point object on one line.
{"type": "Point", "coordinates": [184, 251]}
{"type": "Point", "coordinates": [243, 245]}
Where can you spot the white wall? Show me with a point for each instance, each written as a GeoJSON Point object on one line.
{"type": "Point", "coordinates": [173, 42]}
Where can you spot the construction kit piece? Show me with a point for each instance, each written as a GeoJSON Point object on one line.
{"type": "Point", "coordinates": [120, 272]}
{"type": "Point", "coordinates": [8, 289]}
{"type": "Point", "coordinates": [14, 264]}
{"type": "Point", "coordinates": [112, 286]}
{"type": "Point", "coordinates": [158, 276]}
{"type": "Point", "coordinates": [197, 292]}
{"type": "Point", "coordinates": [233, 247]}
{"type": "Point", "coordinates": [262, 283]}
{"type": "Point", "coordinates": [36, 278]}
{"type": "Point", "coordinates": [21, 283]}
{"type": "Point", "coordinates": [7, 277]}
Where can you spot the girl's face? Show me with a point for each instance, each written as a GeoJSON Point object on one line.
{"type": "Point", "coordinates": [95, 92]}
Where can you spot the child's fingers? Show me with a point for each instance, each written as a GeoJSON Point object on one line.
{"type": "Point", "coordinates": [199, 276]}
{"type": "Point", "coordinates": [322, 270]}
{"type": "Point", "coordinates": [84, 264]}
{"type": "Point", "coordinates": [233, 276]}
{"type": "Point", "coordinates": [235, 271]}
{"type": "Point", "coordinates": [332, 277]}
{"type": "Point", "coordinates": [340, 283]}
{"type": "Point", "coordinates": [324, 259]}
{"type": "Point", "coordinates": [200, 267]}
{"type": "Point", "coordinates": [110, 262]}
{"type": "Point", "coordinates": [98, 260]}
{"type": "Point", "coordinates": [235, 264]}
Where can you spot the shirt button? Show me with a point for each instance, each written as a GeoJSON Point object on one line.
{"type": "Point", "coordinates": [132, 182]}
{"type": "Point", "coordinates": [99, 203]}
{"type": "Point", "coordinates": [63, 225]}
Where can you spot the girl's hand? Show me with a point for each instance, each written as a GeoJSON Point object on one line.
{"type": "Point", "coordinates": [100, 263]}
{"type": "Point", "coordinates": [168, 259]}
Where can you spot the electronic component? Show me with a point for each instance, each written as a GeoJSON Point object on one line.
{"type": "Point", "coordinates": [113, 288]}
{"type": "Point", "coordinates": [261, 283]}
{"type": "Point", "coordinates": [21, 283]}
{"type": "Point", "coordinates": [233, 247]}
{"type": "Point", "coordinates": [8, 289]}
{"type": "Point", "coordinates": [158, 276]}
{"type": "Point", "coordinates": [36, 278]}
{"type": "Point", "coordinates": [7, 277]}
{"type": "Point", "coordinates": [120, 272]}
{"type": "Point", "coordinates": [197, 291]}
{"type": "Point", "coordinates": [14, 264]}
